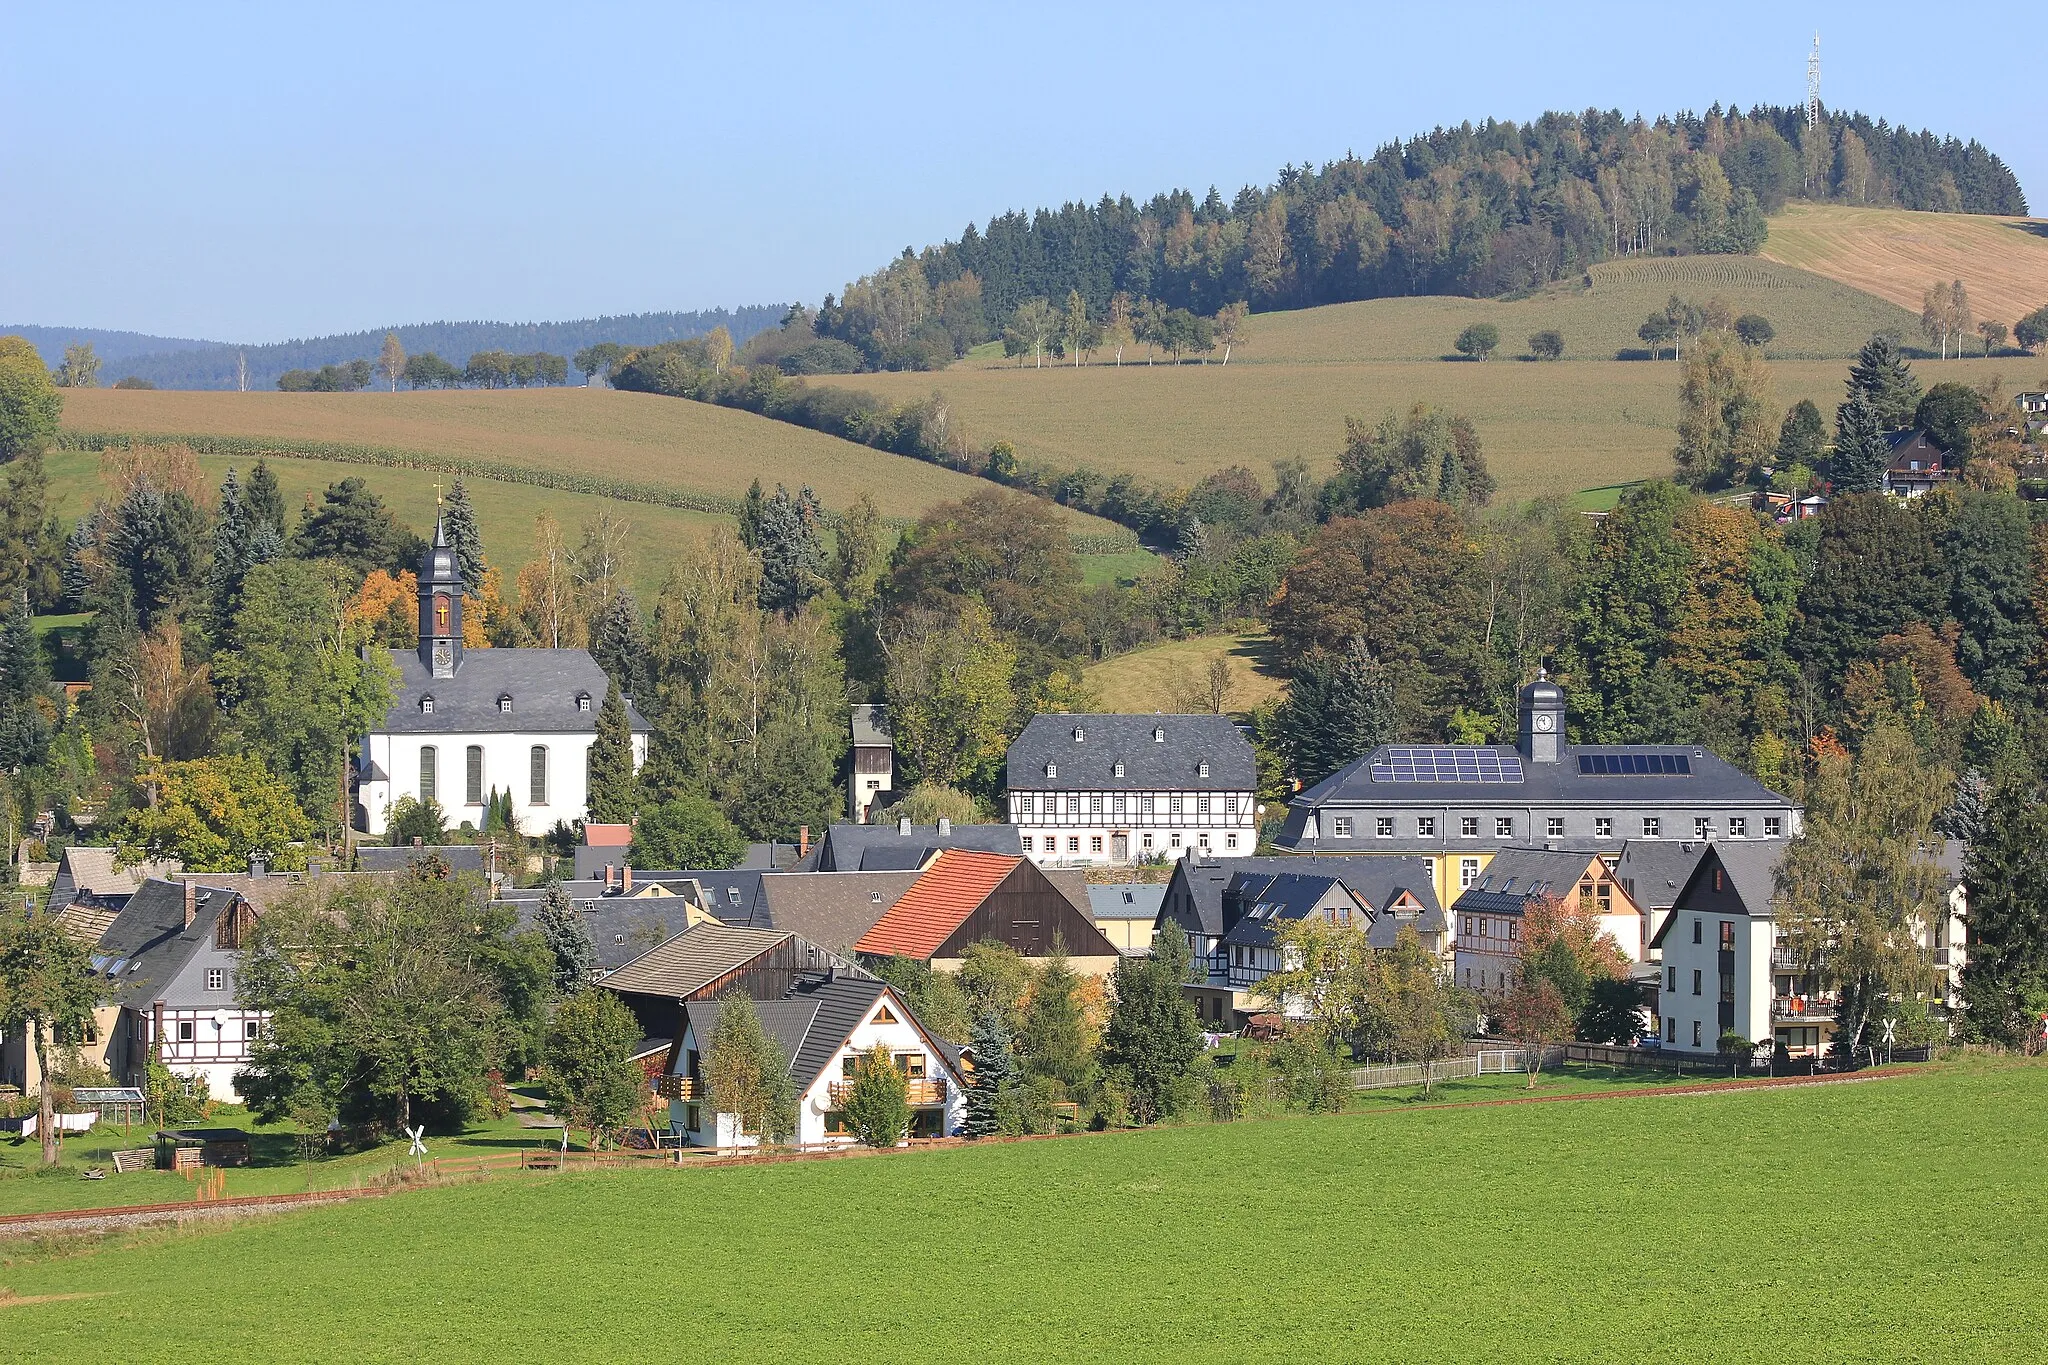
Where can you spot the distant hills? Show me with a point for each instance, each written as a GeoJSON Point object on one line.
{"type": "Point", "coordinates": [181, 363]}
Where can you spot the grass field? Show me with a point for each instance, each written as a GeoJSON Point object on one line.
{"type": "Point", "coordinates": [638, 437]}
{"type": "Point", "coordinates": [1144, 679]}
{"type": "Point", "coordinates": [1895, 255]}
{"type": "Point", "coordinates": [1894, 1220]}
{"type": "Point", "coordinates": [1551, 428]}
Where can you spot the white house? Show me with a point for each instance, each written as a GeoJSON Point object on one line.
{"type": "Point", "coordinates": [1717, 945]}
{"type": "Point", "coordinates": [1105, 788]}
{"type": "Point", "coordinates": [824, 1023]}
{"type": "Point", "coordinates": [464, 725]}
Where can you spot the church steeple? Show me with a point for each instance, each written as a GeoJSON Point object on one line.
{"type": "Point", "coordinates": [441, 607]}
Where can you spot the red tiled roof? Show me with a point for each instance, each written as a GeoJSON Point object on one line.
{"type": "Point", "coordinates": [606, 836]}
{"type": "Point", "coordinates": [937, 903]}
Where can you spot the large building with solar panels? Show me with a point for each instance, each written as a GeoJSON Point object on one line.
{"type": "Point", "coordinates": [1459, 804]}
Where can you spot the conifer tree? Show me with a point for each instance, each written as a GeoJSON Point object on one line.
{"type": "Point", "coordinates": [567, 938]}
{"type": "Point", "coordinates": [1861, 451]}
{"type": "Point", "coordinates": [2005, 876]}
{"type": "Point", "coordinates": [265, 500]}
{"type": "Point", "coordinates": [24, 734]}
{"type": "Point", "coordinates": [620, 646]}
{"type": "Point", "coordinates": [612, 796]}
{"type": "Point", "coordinates": [1054, 1041]}
{"type": "Point", "coordinates": [992, 1071]}
{"type": "Point", "coordinates": [1339, 707]}
{"type": "Point", "coordinates": [675, 762]}
{"type": "Point", "coordinates": [792, 555]}
{"type": "Point", "coordinates": [750, 516]}
{"type": "Point", "coordinates": [458, 518]}
{"type": "Point", "coordinates": [1152, 1037]}
{"type": "Point", "coordinates": [232, 533]}
{"type": "Point", "coordinates": [1886, 381]}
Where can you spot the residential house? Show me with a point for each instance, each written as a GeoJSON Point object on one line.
{"type": "Point", "coordinates": [168, 963]}
{"type": "Point", "coordinates": [1127, 913]}
{"type": "Point", "coordinates": [1457, 805]}
{"type": "Point", "coordinates": [603, 846]}
{"type": "Point", "coordinates": [463, 726]}
{"type": "Point", "coordinates": [1490, 913]}
{"type": "Point", "coordinates": [1251, 946]}
{"type": "Point", "coordinates": [628, 913]}
{"type": "Point", "coordinates": [1206, 899]}
{"type": "Point", "coordinates": [1106, 788]}
{"type": "Point", "coordinates": [1916, 467]}
{"type": "Point", "coordinates": [901, 846]}
{"type": "Point", "coordinates": [99, 875]}
{"type": "Point", "coordinates": [709, 961]}
{"type": "Point", "coordinates": [965, 897]}
{"type": "Point", "coordinates": [1722, 961]}
{"type": "Point", "coordinates": [824, 1023]}
{"type": "Point", "coordinates": [1653, 872]}
{"type": "Point", "coordinates": [873, 772]}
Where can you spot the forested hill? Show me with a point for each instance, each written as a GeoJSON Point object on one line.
{"type": "Point", "coordinates": [113, 348]}
{"type": "Point", "coordinates": [1479, 210]}
{"type": "Point", "coordinates": [211, 365]}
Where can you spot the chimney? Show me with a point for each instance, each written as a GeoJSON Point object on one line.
{"type": "Point", "coordinates": [903, 825]}
{"type": "Point", "coordinates": [803, 841]}
{"type": "Point", "coordinates": [945, 828]}
{"type": "Point", "coordinates": [626, 880]}
{"type": "Point", "coordinates": [191, 903]}
{"type": "Point", "coordinates": [611, 878]}
{"type": "Point", "coordinates": [257, 866]}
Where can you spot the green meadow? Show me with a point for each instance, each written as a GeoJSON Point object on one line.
{"type": "Point", "coordinates": [1892, 1219]}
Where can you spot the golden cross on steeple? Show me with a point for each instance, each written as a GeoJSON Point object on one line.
{"type": "Point", "coordinates": [437, 493]}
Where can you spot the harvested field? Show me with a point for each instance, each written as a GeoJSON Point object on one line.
{"type": "Point", "coordinates": [1895, 255]}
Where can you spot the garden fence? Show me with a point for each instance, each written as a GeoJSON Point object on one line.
{"type": "Point", "coordinates": [1489, 1062]}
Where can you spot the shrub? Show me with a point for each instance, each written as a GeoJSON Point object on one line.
{"type": "Point", "coordinates": [1755, 329]}
{"type": "Point", "coordinates": [1479, 340]}
{"type": "Point", "coordinates": [877, 1107]}
{"type": "Point", "coordinates": [1546, 345]}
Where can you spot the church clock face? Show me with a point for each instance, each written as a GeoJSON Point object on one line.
{"type": "Point", "coordinates": [444, 655]}
{"type": "Point", "coordinates": [1543, 722]}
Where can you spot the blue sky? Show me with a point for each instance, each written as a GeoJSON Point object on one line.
{"type": "Point", "coordinates": [264, 172]}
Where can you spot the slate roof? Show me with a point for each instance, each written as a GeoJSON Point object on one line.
{"type": "Point", "coordinates": [692, 960]}
{"type": "Point", "coordinates": [871, 727]}
{"type": "Point", "coordinates": [387, 858]}
{"type": "Point", "coordinates": [937, 904]}
{"type": "Point", "coordinates": [84, 868]}
{"type": "Point", "coordinates": [812, 1022]}
{"type": "Point", "coordinates": [1168, 764]}
{"type": "Point", "coordinates": [1388, 924]}
{"type": "Point", "coordinates": [831, 909]}
{"type": "Point", "coordinates": [1654, 871]}
{"type": "Point", "coordinates": [1288, 896]}
{"type": "Point", "coordinates": [543, 685]}
{"type": "Point", "coordinates": [1126, 900]}
{"type": "Point", "coordinates": [148, 943]}
{"type": "Point", "coordinates": [621, 927]}
{"type": "Point", "coordinates": [887, 848]}
{"type": "Point", "coordinates": [1206, 879]}
{"type": "Point", "coordinates": [1753, 868]}
{"type": "Point", "coordinates": [1517, 876]}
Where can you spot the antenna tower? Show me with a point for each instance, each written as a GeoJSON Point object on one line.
{"type": "Point", "coordinates": [1813, 84]}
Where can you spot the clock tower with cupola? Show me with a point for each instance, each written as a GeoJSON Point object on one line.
{"type": "Point", "coordinates": [1542, 717]}
{"type": "Point", "coordinates": [441, 607]}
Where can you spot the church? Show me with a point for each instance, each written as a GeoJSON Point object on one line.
{"type": "Point", "coordinates": [465, 724]}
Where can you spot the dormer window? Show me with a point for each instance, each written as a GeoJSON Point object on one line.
{"type": "Point", "coordinates": [427, 705]}
{"type": "Point", "coordinates": [1201, 770]}
{"type": "Point", "coordinates": [1119, 770]}
{"type": "Point", "coordinates": [505, 702]}
{"type": "Point", "coordinates": [582, 701]}
{"type": "Point", "coordinates": [1079, 734]}
{"type": "Point", "coordinates": [1159, 734]}
{"type": "Point", "coordinates": [1052, 770]}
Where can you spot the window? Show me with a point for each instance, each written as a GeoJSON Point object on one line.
{"type": "Point", "coordinates": [1173, 804]}
{"type": "Point", "coordinates": [1027, 843]}
{"type": "Point", "coordinates": [1426, 826]}
{"type": "Point", "coordinates": [1695, 981]}
{"type": "Point", "coordinates": [1175, 840]}
{"type": "Point", "coordinates": [475, 776]}
{"type": "Point", "coordinates": [1201, 770]}
{"type": "Point", "coordinates": [1052, 770]}
{"type": "Point", "coordinates": [537, 775]}
{"type": "Point", "coordinates": [882, 1016]}
{"type": "Point", "coordinates": [582, 701]}
{"type": "Point", "coordinates": [1383, 827]}
{"type": "Point", "coordinates": [1504, 826]}
{"type": "Point", "coordinates": [427, 706]}
{"type": "Point", "coordinates": [1737, 827]}
{"type": "Point", "coordinates": [1148, 843]}
{"type": "Point", "coordinates": [1554, 826]}
{"type": "Point", "coordinates": [1118, 770]}
{"type": "Point", "coordinates": [1201, 805]}
{"type": "Point", "coordinates": [1145, 805]}
{"type": "Point", "coordinates": [1158, 735]}
{"type": "Point", "coordinates": [1695, 1029]}
{"type": "Point", "coordinates": [1468, 827]}
{"type": "Point", "coordinates": [1671, 1030]}
{"type": "Point", "coordinates": [1702, 827]}
{"type": "Point", "coordinates": [1514, 928]}
{"type": "Point", "coordinates": [1468, 872]}
{"type": "Point", "coordinates": [912, 1065]}
{"type": "Point", "coordinates": [1671, 982]}
{"type": "Point", "coordinates": [1073, 843]}
{"type": "Point", "coordinates": [184, 1030]}
{"type": "Point", "coordinates": [427, 788]}
{"type": "Point", "coordinates": [1717, 880]}
{"type": "Point", "coordinates": [1341, 827]}
{"type": "Point", "coordinates": [1772, 826]}
{"type": "Point", "coordinates": [252, 1029]}
{"type": "Point", "coordinates": [1118, 803]}
{"type": "Point", "coordinates": [1727, 935]}
{"type": "Point", "coordinates": [505, 702]}
{"type": "Point", "coordinates": [1079, 734]}
{"type": "Point", "coordinates": [1696, 924]}
{"type": "Point", "coordinates": [1095, 843]}
{"type": "Point", "coordinates": [1603, 827]}
{"type": "Point", "coordinates": [1095, 805]}
{"type": "Point", "coordinates": [1230, 841]}
{"type": "Point", "coordinates": [1466, 930]}
{"type": "Point", "coordinates": [1649, 826]}
{"type": "Point", "coordinates": [1203, 839]}
{"type": "Point", "coordinates": [215, 978]}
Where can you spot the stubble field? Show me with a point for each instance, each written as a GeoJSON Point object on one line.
{"type": "Point", "coordinates": [1894, 254]}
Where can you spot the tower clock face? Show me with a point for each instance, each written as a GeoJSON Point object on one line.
{"type": "Point", "coordinates": [1544, 722]}
{"type": "Point", "coordinates": [444, 655]}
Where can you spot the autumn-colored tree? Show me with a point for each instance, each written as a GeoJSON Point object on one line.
{"type": "Point", "coordinates": [1535, 1015]}
{"type": "Point", "coordinates": [391, 360]}
{"type": "Point", "coordinates": [1233, 327]}
{"type": "Point", "coordinates": [211, 813]}
{"type": "Point", "coordinates": [1727, 406]}
{"type": "Point", "coordinates": [167, 700]}
{"type": "Point", "coordinates": [1717, 615]}
{"type": "Point", "coordinates": [1325, 974]}
{"type": "Point", "coordinates": [386, 608]}
{"type": "Point", "coordinates": [550, 612]}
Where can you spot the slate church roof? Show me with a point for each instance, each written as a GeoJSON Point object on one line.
{"type": "Point", "coordinates": [544, 686]}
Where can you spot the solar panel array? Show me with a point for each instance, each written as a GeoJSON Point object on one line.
{"type": "Point", "coordinates": [1446, 765]}
{"type": "Point", "coordinates": [1635, 765]}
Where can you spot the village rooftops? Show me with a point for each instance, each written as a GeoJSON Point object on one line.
{"type": "Point", "coordinates": [903, 847]}
{"type": "Point", "coordinates": [937, 904]}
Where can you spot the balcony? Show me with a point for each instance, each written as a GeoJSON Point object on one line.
{"type": "Point", "coordinates": [678, 1088]}
{"type": "Point", "coordinates": [919, 1093]}
{"type": "Point", "coordinates": [1787, 960]}
{"type": "Point", "coordinates": [1794, 1009]}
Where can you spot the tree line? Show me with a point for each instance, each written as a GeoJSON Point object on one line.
{"type": "Point", "coordinates": [1484, 209]}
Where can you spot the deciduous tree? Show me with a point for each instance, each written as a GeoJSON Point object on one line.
{"type": "Point", "coordinates": [1152, 1037]}
{"type": "Point", "coordinates": [47, 997]}
{"type": "Point", "coordinates": [591, 1077]}
{"type": "Point", "coordinates": [877, 1103]}
{"type": "Point", "coordinates": [746, 1074]}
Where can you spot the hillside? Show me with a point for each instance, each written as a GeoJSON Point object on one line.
{"type": "Point", "coordinates": [1708, 1227]}
{"type": "Point", "coordinates": [1895, 255]}
{"type": "Point", "coordinates": [597, 434]}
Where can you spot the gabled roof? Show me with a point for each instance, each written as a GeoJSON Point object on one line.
{"type": "Point", "coordinates": [937, 904]}
{"type": "Point", "coordinates": [814, 1020]}
{"type": "Point", "coordinates": [1517, 876]}
{"type": "Point", "coordinates": [871, 728]}
{"type": "Point", "coordinates": [889, 847]}
{"type": "Point", "coordinates": [149, 943]}
{"type": "Point", "coordinates": [692, 960]}
{"type": "Point", "coordinates": [1288, 896]}
{"type": "Point", "coordinates": [544, 685]}
{"type": "Point", "coordinates": [1654, 871]}
{"type": "Point", "coordinates": [82, 868]}
{"type": "Point", "coordinates": [1170, 762]}
{"type": "Point", "coordinates": [1126, 900]}
{"type": "Point", "coordinates": [1374, 878]}
{"type": "Point", "coordinates": [831, 909]}
{"type": "Point", "coordinates": [389, 858]}
{"type": "Point", "coordinates": [621, 928]}
{"type": "Point", "coordinates": [1752, 873]}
